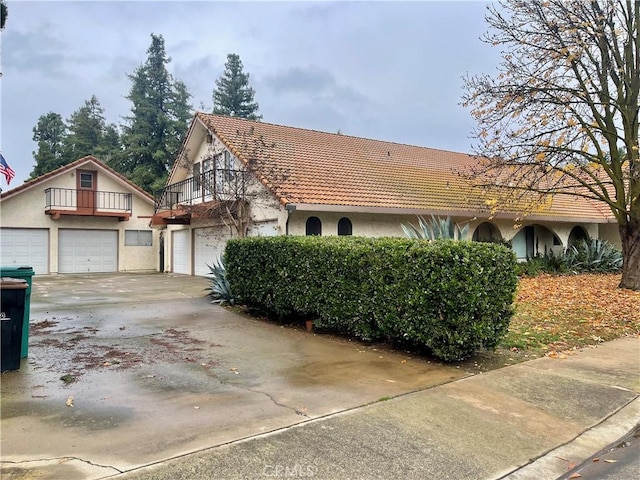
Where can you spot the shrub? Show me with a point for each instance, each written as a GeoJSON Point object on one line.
{"type": "Point", "coordinates": [585, 256]}
{"type": "Point", "coordinates": [449, 297]}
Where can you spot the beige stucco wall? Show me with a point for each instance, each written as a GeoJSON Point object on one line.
{"type": "Point", "coordinates": [379, 225]}
{"type": "Point", "coordinates": [27, 210]}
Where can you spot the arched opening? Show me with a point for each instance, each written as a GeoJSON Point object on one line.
{"type": "Point", "coordinates": [535, 240]}
{"type": "Point", "coordinates": [577, 234]}
{"type": "Point", "coordinates": [313, 226]}
{"type": "Point", "coordinates": [487, 232]}
{"type": "Point", "coordinates": [345, 227]}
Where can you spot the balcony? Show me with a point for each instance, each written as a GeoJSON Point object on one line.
{"type": "Point", "coordinates": [179, 202]}
{"type": "Point", "coordinates": [94, 203]}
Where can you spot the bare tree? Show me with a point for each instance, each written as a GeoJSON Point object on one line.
{"type": "Point", "coordinates": [561, 117]}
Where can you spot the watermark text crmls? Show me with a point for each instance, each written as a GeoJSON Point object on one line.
{"type": "Point", "coordinates": [296, 470]}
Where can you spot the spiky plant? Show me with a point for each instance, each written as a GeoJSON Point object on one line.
{"type": "Point", "coordinates": [594, 255]}
{"type": "Point", "coordinates": [220, 291]}
{"type": "Point", "coordinates": [435, 229]}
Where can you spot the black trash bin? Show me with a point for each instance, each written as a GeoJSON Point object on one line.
{"type": "Point", "coordinates": [12, 303]}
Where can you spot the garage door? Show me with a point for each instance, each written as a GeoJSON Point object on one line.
{"type": "Point", "coordinates": [84, 251]}
{"type": "Point", "coordinates": [209, 244]}
{"type": "Point", "coordinates": [180, 253]}
{"type": "Point", "coordinates": [25, 247]}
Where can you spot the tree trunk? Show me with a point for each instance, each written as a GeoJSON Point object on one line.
{"type": "Point", "coordinates": [630, 236]}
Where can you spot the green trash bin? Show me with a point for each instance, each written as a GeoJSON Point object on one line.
{"type": "Point", "coordinates": [12, 299]}
{"type": "Point", "coordinates": [26, 273]}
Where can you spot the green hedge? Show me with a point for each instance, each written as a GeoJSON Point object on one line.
{"type": "Point", "coordinates": [449, 297]}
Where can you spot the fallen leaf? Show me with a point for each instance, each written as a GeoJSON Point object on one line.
{"type": "Point", "coordinates": [301, 411]}
{"type": "Point", "coordinates": [575, 475]}
{"type": "Point", "coordinates": [403, 361]}
{"type": "Point", "coordinates": [597, 459]}
{"type": "Point", "coordinates": [571, 465]}
{"type": "Point", "coordinates": [609, 460]}
{"type": "Point", "coordinates": [70, 401]}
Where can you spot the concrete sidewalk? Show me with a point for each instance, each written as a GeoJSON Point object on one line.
{"type": "Point", "coordinates": [166, 385]}
{"type": "Point", "coordinates": [529, 421]}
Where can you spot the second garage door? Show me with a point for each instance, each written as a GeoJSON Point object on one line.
{"type": "Point", "coordinates": [84, 251]}
{"type": "Point", "coordinates": [208, 246]}
{"type": "Point", "coordinates": [180, 252]}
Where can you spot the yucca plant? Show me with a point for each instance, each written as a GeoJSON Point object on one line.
{"type": "Point", "coordinates": [220, 291]}
{"type": "Point", "coordinates": [594, 255]}
{"type": "Point", "coordinates": [435, 229]}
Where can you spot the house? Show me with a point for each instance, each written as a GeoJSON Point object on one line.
{"type": "Point", "coordinates": [82, 217]}
{"type": "Point", "coordinates": [235, 177]}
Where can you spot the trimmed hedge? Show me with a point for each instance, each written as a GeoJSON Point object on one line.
{"type": "Point", "coordinates": [450, 297]}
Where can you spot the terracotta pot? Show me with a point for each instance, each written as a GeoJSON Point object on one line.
{"type": "Point", "coordinates": [309, 325]}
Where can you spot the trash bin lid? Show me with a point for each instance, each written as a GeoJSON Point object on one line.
{"type": "Point", "coordinates": [8, 283]}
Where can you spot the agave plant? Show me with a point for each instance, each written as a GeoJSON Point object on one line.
{"type": "Point", "coordinates": [220, 291]}
{"type": "Point", "coordinates": [435, 229]}
{"type": "Point", "coordinates": [594, 255]}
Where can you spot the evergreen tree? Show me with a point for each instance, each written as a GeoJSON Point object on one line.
{"type": "Point", "coordinates": [159, 120]}
{"type": "Point", "coordinates": [4, 13]}
{"type": "Point", "coordinates": [49, 133]}
{"type": "Point", "coordinates": [233, 96]}
{"type": "Point", "coordinates": [88, 131]}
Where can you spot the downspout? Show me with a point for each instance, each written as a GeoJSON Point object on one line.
{"type": "Point", "coordinates": [290, 208]}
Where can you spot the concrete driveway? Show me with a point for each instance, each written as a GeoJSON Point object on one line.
{"type": "Point", "coordinates": [126, 370]}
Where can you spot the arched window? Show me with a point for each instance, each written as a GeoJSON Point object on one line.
{"type": "Point", "coordinates": [314, 226]}
{"type": "Point", "coordinates": [345, 227]}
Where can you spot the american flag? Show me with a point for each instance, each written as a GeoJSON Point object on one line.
{"type": "Point", "coordinates": [6, 170]}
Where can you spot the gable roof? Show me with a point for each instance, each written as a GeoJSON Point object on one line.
{"type": "Point", "coordinates": [309, 167]}
{"type": "Point", "coordinates": [81, 162]}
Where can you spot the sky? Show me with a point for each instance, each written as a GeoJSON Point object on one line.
{"type": "Point", "coordinates": [384, 70]}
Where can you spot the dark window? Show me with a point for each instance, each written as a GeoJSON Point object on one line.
{"type": "Point", "coordinates": [314, 226]}
{"type": "Point", "coordinates": [86, 180]}
{"type": "Point", "coordinates": [345, 227]}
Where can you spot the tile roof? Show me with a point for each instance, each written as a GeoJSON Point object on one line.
{"type": "Point", "coordinates": [70, 166]}
{"type": "Point", "coordinates": [319, 168]}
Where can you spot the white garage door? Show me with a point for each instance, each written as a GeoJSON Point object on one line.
{"type": "Point", "coordinates": [84, 251]}
{"type": "Point", "coordinates": [208, 246]}
{"type": "Point", "coordinates": [25, 247]}
{"type": "Point", "coordinates": [180, 253]}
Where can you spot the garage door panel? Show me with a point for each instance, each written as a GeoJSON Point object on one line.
{"type": "Point", "coordinates": [25, 247]}
{"type": "Point", "coordinates": [87, 251]}
{"type": "Point", "coordinates": [209, 245]}
{"type": "Point", "coordinates": [180, 252]}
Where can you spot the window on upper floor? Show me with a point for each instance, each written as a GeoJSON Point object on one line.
{"type": "Point", "coordinates": [196, 176]}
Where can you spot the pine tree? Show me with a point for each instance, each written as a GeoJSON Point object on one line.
{"type": "Point", "coordinates": [49, 133]}
{"type": "Point", "coordinates": [4, 13]}
{"type": "Point", "coordinates": [233, 96]}
{"type": "Point", "coordinates": [87, 131]}
{"type": "Point", "coordinates": [159, 120]}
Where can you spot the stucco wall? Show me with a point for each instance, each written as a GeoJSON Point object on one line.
{"type": "Point", "coordinates": [27, 210]}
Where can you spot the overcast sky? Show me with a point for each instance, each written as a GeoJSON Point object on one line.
{"type": "Point", "coordinates": [384, 70]}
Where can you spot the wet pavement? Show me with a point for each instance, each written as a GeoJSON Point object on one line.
{"type": "Point", "coordinates": [127, 370]}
